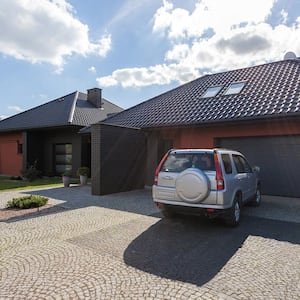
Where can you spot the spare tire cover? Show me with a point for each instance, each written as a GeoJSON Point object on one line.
{"type": "Point", "coordinates": [192, 185]}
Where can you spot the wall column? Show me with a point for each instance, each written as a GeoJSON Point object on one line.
{"type": "Point", "coordinates": [96, 159]}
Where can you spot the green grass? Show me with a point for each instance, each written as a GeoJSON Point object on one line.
{"type": "Point", "coordinates": [7, 184]}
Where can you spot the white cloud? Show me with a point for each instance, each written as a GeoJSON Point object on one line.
{"type": "Point", "coordinates": [153, 75]}
{"type": "Point", "coordinates": [217, 35]}
{"type": "Point", "coordinates": [219, 15]}
{"type": "Point", "coordinates": [284, 16]}
{"type": "Point", "coordinates": [104, 45]}
{"type": "Point", "coordinates": [15, 108]}
{"type": "Point", "coordinates": [2, 117]}
{"type": "Point", "coordinates": [92, 69]}
{"type": "Point", "coordinates": [45, 31]}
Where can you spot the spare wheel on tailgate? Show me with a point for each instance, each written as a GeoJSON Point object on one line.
{"type": "Point", "coordinates": [192, 185]}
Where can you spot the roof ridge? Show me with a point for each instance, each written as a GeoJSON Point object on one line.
{"type": "Point", "coordinates": [71, 116]}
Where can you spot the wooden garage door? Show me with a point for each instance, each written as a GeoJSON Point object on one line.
{"type": "Point", "coordinates": [278, 158]}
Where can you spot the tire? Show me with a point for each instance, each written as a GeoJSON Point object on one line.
{"type": "Point", "coordinates": [257, 199]}
{"type": "Point", "coordinates": [234, 214]}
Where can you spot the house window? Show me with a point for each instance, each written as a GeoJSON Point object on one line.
{"type": "Point", "coordinates": [234, 88]}
{"type": "Point", "coordinates": [212, 91]}
{"type": "Point", "coordinates": [63, 158]}
{"type": "Point", "coordinates": [19, 148]}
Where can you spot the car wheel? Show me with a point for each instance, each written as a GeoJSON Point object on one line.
{"type": "Point", "coordinates": [234, 214]}
{"type": "Point", "coordinates": [257, 200]}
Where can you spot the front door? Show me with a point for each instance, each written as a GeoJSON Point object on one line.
{"type": "Point", "coordinates": [62, 158]}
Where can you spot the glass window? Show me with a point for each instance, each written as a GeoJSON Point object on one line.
{"type": "Point", "coordinates": [20, 148]}
{"type": "Point", "coordinates": [235, 88]}
{"type": "Point", "coordinates": [178, 162]}
{"type": "Point", "coordinates": [212, 91]}
{"type": "Point", "coordinates": [227, 163]}
{"type": "Point", "coordinates": [63, 158]}
{"type": "Point", "coordinates": [241, 164]}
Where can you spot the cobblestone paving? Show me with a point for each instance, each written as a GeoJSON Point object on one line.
{"type": "Point", "coordinates": [78, 254]}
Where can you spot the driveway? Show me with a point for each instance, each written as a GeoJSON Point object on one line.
{"type": "Point", "coordinates": [118, 247]}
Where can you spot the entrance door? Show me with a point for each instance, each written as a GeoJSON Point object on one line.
{"type": "Point", "coordinates": [63, 158]}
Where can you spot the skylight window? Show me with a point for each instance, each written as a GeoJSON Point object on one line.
{"type": "Point", "coordinates": [212, 91]}
{"type": "Point", "coordinates": [235, 88]}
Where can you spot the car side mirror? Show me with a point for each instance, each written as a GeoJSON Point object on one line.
{"type": "Point", "coordinates": [256, 169]}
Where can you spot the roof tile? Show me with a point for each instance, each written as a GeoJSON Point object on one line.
{"type": "Point", "coordinates": [56, 113]}
{"type": "Point", "coordinates": [271, 90]}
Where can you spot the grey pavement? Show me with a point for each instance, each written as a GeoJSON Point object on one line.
{"type": "Point", "coordinates": [118, 247]}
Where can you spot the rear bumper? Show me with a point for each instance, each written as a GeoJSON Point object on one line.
{"type": "Point", "coordinates": [181, 204]}
{"type": "Point", "coordinates": [211, 212]}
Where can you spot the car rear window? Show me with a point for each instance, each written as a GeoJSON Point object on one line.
{"type": "Point", "coordinates": [178, 162]}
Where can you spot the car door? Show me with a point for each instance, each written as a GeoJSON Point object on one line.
{"type": "Point", "coordinates": [251, 178]}
{"type": "Point", "coordinates": [245, 176]}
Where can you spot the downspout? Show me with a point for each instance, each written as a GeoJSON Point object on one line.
{"type": "Point", "coordinates": [70, 120]}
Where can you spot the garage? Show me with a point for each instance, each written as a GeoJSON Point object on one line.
{"type": "Point", "coordinates": [255, 110]}
{"type": "Point", "coordinates": [278, 158]}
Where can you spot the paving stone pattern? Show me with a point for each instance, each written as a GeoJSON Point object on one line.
{"type": "Point", "coordinates": [79, 254]}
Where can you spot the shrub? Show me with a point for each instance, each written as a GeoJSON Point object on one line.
{"type": "Point", "coordinates": [83, 171]}
{"type": "Point", "coordinates": [15, 178]}
{"type": "Point", "coordinates": [32, 173]}
{"type": "Point", "coordinates": [67, 173]}
{"type": "Point", "coordinates": [27, 202]}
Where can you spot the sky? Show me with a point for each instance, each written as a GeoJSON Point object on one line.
{"type": "Point", "coordinates": [133, 49]}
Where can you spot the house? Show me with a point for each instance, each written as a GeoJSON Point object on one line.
{"type": "Point", "coordinates": [255, 110]}
{"type": "Point", "coordinates": [48, 134]}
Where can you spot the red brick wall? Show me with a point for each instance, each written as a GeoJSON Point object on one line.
{"type": "Point", "coordinates": [206, 137]}
{"type": "Point", "coordinates": [10, 160]}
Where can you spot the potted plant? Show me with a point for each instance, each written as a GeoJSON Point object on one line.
{"type": "Point", "coordinates": [83, 173]}
{"type": "Point", "coordinates": [66, 178]}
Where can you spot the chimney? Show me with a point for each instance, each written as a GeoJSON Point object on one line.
{"type": "Point", "coordinates": [94, 96]}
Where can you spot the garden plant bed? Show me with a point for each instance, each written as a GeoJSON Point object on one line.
{"type": "Point", "coordinates": [13, 214]}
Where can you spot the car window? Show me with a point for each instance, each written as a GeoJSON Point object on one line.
{"type": "Point", "coordinates": [227, 163]}
{"type": "Point", "coordinates": [178, 162]}
{"type": "Point", "coordinates": [241, 164]}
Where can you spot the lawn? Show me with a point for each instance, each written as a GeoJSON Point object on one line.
{"type": "Point", "coordinates": [7, 184]}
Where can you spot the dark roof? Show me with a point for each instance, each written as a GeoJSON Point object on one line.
{"type": "Point", "coordinates": [72, 109]}
{"type": "Point", "coordinates": [271, 90]}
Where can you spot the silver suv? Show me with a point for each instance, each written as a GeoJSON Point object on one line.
{"type": "Point", "coordinates": [213, 182]}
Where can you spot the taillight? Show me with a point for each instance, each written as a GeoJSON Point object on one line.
{"type": "Point", "coordinates": [159, 167]}
{"type": "Point", "coordinates": [219, 174]}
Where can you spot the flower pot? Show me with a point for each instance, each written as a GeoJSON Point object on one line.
{"type": "Point", "coordinates": [83, 179]}
{"type": "Point", "coordinates": [66, 181]}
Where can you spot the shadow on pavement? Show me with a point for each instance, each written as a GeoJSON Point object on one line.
{"type": "Point", "coordinates": [75, 197]}
{"type": "Point", "coordinates": [194, 250]}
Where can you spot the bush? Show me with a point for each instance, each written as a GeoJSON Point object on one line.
{"type": "Point", "coordinates": [67, 173]}
{"type": "Point", "coordinates": [32, 173]}
{"type": "Point", "coordinates": [27, 202]}
{"type": "Point", "coordinates": [15, 178]}
{"type": "Point", "coordinates": [83, 171]}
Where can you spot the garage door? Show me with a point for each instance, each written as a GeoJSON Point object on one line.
{"type": "Point", "coordinates": [278, 159]}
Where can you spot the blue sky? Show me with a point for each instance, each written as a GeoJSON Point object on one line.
{"type": "Point", "coordinates": [133, 49]}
